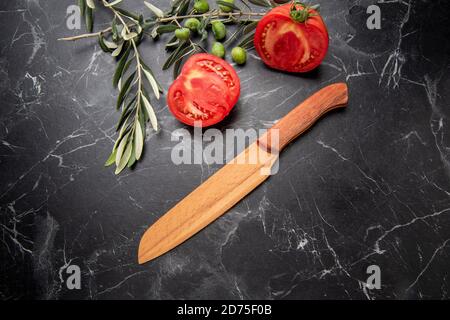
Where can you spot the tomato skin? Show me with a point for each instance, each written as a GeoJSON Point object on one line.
{"type": "Point", "coordinates": [205, 92]}
{"type": "Point", "coordinates": [287, 45]}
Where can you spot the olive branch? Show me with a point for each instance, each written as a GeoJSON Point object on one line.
{"type": "Point", "coordinates": [134, 78]}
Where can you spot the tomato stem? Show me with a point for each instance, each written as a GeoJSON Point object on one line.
{"type": "Point", "coordinates": [301, 12]}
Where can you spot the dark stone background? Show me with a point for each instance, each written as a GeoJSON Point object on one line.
{"type": "Point", "coordinates": [368, 185]}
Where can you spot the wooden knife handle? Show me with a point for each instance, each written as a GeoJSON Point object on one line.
{"type": "Point", "coordinates": [305, 115]}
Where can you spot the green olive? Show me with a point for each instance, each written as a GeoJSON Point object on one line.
{"type": "Point", "coordinates": [239, 55]}
{"type": "Point", "coordinates": [192, 24]}
{"type": "Point", "coordinates": [218, 49]}
{"type": "Point", "coordinates": [226, 8]}
{"type": "Point", "coordinates": [201, 6]}
{"type": "Point", "coordinates": [182, 34]}
{"type": "Point", "coordinates": [219, 30]}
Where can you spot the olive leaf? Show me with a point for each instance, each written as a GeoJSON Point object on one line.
{"type": "Point", "coordinates": [109, 44]}
{"type": "Point", "coordinates": [89, 16]}
{"type": "Point", "coordinates": [184, 7]}
{"type": "Point", "coordinates": [132, 159]}
{"type": "Point", "coordinates": [229, 5]}
{"type": "Point", "coordinates": [102, 44]}
{"type": "Point", "coordinates": [263, 3]}
{"type": "Point", "coordinates": [127, 13]}
{"type": "Point", "coordinates": [126, 113]}
{"type": "Point", "coordinates": [244, 29]}
{"type": "Point", "coordinates": [124, 89]}
{"type": "Point", "coordinates": [151, 79]}
{"type": "Point", "coordinates": [118, 50]}
{"type": "Point", "coordinates": [172, 43]}
{"type": "Point", "coordinates": [147, 68]}
{"type": "Point", "coordinates": [121, 148]}
{"type": "Point", "coordinates": [150, 112]}
{"type": "Point", "coordinates": [111, 160]}
{"type": "Point", "coordinates": [166, 28]}
{"type": "Point", "coordinates": [125, 155]}
{"type": "Point", "coordinates": [120, 67]}
{"type": "Point", "coordinates": [202, 28]}
{"type": "Point", "coordinates": [90, 4]}
{"type": "Point", "coordinates": [176, 6]}
{"type": "Point", "coordinates": [138, 141]}
{"type": "Point", "coordinates": [177, 68]}
{"type": "Point", "coordinates": [158, 12]}
{"type": "Point", "coordinates": [82, 6]}
{"type": "Point", "coordinates": [245, 3]}
{"type": "Point", "coordinates": [87, 12]}
{"type": "Point", "coordinates": [111, 4]}
{"type": "Point", "coordinates": [247, 40]}
{"type": "Point", "coordinates": [178, 53]}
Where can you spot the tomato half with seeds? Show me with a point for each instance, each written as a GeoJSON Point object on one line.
{"type": "Point", "coordinates": [292, 38]}
{"type": "Point", "coordinates": [205, 92]}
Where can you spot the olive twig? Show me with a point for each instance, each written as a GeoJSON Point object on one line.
{"type": "Point", "coordinates": [212, 15]}
{"type": "Point", "coordinates": [170, 19]}
{"type": "Point", "coordinates": [86, 35]}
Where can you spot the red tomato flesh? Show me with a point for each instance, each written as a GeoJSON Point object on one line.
{"type": "Point", "coordinates": [205, 91]}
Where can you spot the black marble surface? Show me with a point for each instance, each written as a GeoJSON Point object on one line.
{"type": "Point", "coordinates": [368, 185]}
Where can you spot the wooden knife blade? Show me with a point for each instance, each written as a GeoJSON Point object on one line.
{"type": "Point", "coordinates": [237, 178]}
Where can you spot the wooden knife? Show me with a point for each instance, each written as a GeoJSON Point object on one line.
{"type": "Point", "coordinates": [237, 178]}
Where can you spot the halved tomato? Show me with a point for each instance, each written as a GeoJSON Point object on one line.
{"type": "Point", "coordinates": [205, 91]}
{"type": "Point", "coordinates": [292, 38]}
